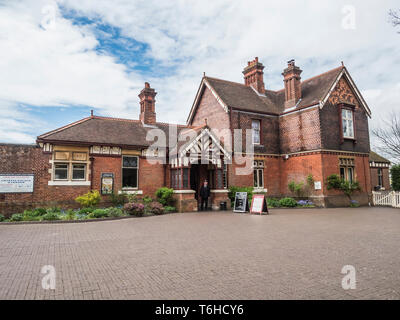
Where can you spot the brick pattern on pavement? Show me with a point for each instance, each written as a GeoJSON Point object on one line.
{"type": "Point", "coordinates": [290, 254]}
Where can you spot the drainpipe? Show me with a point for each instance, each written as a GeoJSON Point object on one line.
{"type": "Point", "coordinates": [91, 173]}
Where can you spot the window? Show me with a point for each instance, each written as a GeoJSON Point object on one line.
{"type": "Point", "coordinates": [180, 178]}
{"type": "Point", "coordinates": [185, 178]}
{"type": "Point", "coordinates": [347, 123]}
{"type": "Point", "coordinates": [380, 177]}
{"type": "Point", "coordinates": [61, 171]}
{"type": "Point", "coordinates": [258, 174]}
{"type": "Point", "coordinates": [347, 169]}
{"type": "Point", "coordinates": [225, 176]}
{"type": "Point", "coordinates": [256, 125]}
{"type": "Point", "coordinates": [130, 172]}
{"type": "Point", "coordinates": [78, 171]}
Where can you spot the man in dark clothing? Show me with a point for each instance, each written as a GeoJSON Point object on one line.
{"type": "Point", "coordinates": [204, 194]}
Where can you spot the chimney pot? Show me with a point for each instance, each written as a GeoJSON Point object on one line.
{"type": "Point", "coordinates": [254, 75]}
{"type": "Point", "coordinates": [147, 104]}
{"type": "Point", "coordinates": [292, 81]}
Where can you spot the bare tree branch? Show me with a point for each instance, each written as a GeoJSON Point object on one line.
{"type": "Point", "coordinates": [394, 18]}
{"type": "Point", "coordinates": [389, 136]}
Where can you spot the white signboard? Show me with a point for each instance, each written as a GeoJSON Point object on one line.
{"type": "Point", "coordinates": [317, 185]}
{"type": "Point", "coordinates": [16, 183]}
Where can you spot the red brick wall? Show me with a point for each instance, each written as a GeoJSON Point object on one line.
{"type": "Point", "coordinates": [151, 177]}
{"type": "Point", "coordinates": [300, 131]}
{"type": "Point", "coordinates": [374, 177]}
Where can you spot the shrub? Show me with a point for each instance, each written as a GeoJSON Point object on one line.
{"type": "Point", "coordinates": [90, 199]}
{"type": "Point", "coordinates": [354, 204]}
{"type": "Point", "coordinates": [51, 216]}
{"type": "Point", "coordinates": [347, 187]}
{"type": "Point", "coordinates": [30, 215]}
{"type": "Point", "coordinates": [70, 215]}
{"type": "Point", "coordinates": [310, 180]}
{"type": "Point", "coordinates": [117, 199]}
{"type": "Point", "coordinates": [156, 208]}
{"type": "Point", "coordinates": [115, 212]}
{"type": "Point", "coordinates": [2, 218]}
{"type": "Point", "coordinates": [17, 217]}
{"type": "Point", "coordinates": [169, 209]}
{"type": "Point", "coordinates": [395, 173]}
{"type": "Point", "coordinates": [85, 211]}
{"type": "Point", "coordinates": [99, 213]}
{"type": "Point", "coordinates": [165, 196]}
{"type": "Point", "coordinates": [233, 190]}
{"type": "Point", "coordinates": [273, 203]}
{"type": "Point", "coordinates": [287, 202]}
{"type": "Point", "coordinates": [296, 188]}
{"type": "Point", "coordinates": [134, 209]}
{"type": "Point", "coordinates": [40, 211]}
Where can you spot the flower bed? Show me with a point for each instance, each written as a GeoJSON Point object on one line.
{"type": "Point", "coordinates": [289, 203]}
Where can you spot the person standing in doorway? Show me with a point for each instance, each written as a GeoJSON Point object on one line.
{"type": "Point", "coordinates": [204, 194]}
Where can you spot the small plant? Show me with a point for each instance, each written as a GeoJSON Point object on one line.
{"type": "Point", "coordinates": [287, 202]}
{"type": "Point", "coordinates": [70, 215]}
{"type": "Point", "coordinates": [99, 213]}
{"type": "Point", "coordinates": [169, 209]}
{"type": "Point", "coordinates": [310, 180]}
{"type": "Point", "coordinates": [40, 211]}
{"type": "Point", "coordinates": [134, 209]}
{"type": "Point", "coordinates": [17, 217]}
{"type": "Point", "coordinates": [30, 215]}
{"type": "Point", "coordinates": [296, 188]}
{"type": "Point", "coordinates": [86, 210]}
{"type": "Point", "coordinates": [156, 208]}
{"type": "Point", "coordinates": [2, 218]}
{"type": "Point", "coordinates": [51, 216]}
{"type": "Point", "coordinates": [117, 199]}
{"type": "Point", "coordinates": [132, 197]}
{"type": "Point", "coordinates": [347, 187]}
{"type": "Point", "coordinates": [305, 203]}
{"type": "Point", "coordinates": [115, 212]}
{"type": "Point", "coordinates": [165, 196]}
{"type": "Point", "coordinates": [273, 203]}
{"type": "Point", "coordinates": [354, 204]}
{"type": "Point", "coordinates": [90, 199]}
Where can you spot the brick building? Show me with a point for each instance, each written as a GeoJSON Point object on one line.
{"type": "Point", "coordinates": [379, 172]}
{"type": "Point", "coordinates": [236, 135]}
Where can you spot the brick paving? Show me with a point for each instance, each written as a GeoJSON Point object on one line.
{"type": "Point", "coordinates": [290, 254]}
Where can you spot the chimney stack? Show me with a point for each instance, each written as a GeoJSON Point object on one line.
{"type": "Point", "coordinates": [254, 75]}
{"type": "Point", "coordinates": [291, 78]}
{"type": "Point", "coordinates": [147, 105]}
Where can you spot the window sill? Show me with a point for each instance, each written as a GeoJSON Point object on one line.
{"type": "Point", "coordinates": [130, 191]}
{"type": "Point", "coordinates": [184, 191]}
{"type": "Point", "coordinates": [68, 183]}
{"type": "Point", "coordinates": [219, 191]}
{"type": "Point", "coordinates": [255, 190]}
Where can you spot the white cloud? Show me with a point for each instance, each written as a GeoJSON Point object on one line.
{"type": "Point", "coordinates": [61, 67]}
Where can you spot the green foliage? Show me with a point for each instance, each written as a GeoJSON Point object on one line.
{"type": "Point", "coordinates": [2, 218]}
{"type": "Point", "coordinates": [99, 213]}
{"type": "Point", "coordinates": [117, 199]}
{"type": "Point", "coordinates": [395, 173]}
{"type": "Point", "coordinates": [233, 190]}
{"type": "Point", "coordinates": [273, 203]}
{"type": "Point", "coordinates": [40, 211]}
{"type": "Point", "coordinates": [90, 199]}
{"type": "Point", "coordinates": [147, 200]}
{"type": "Point", "coordinates": [347, 187]}
{"type": "Point", "coordinates": [134, 209]}
{"type": "Point", "coordinates": [165, 196]}
{"type": "Point", "coordinates": [70, 215]}
{"type": "Point", "coordinates": [169, 209]}
{"type": "Point", "coordinates": [17, 217]}
{"type": "Point", "coordinates": [115, 212]}
{"type": "Point", "coordinates": [310, 180]}
{"type": "Point", "coordinates": [85, 210]}
{"type": "Point", "coordinates": [287, 202]}
{"type": "Point", "coordinates": [32, 215]}
{"type": "Point", "coordinates": [296, 188]}
{"type": "Point", "coordinates": [51, 216]}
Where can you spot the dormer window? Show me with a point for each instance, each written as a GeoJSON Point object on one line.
{"type": "Point", "coordinates": [347, 123]}
{"type": "Point", "coordinates": [256, 125]}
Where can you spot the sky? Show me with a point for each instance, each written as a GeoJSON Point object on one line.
{"type": "Point", "coordinates": [61, 58]}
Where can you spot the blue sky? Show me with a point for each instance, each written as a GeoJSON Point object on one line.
{"type": "Point", "coordinates": [61, 58]}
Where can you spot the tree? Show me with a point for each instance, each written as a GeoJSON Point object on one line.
{"type": "Point", "coordinates": [394, 18]}
{"type": "Point", "coordinates": [395, 173]}
{"type": "Point", "coordinates": [389, 136]}
{"type": "Point", "coordinates": [347, 187]}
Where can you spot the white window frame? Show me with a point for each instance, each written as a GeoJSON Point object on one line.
{"type": "Point", "coordinates": [258, 166]}
{"type": "Point", "coordinates": [137, 169]}
{"type": "Point", "coordinates": [348, 123]}
{"type": "Point", "coordinates": [54, 171]}
{"type": "Point", "coordinates": [256, 130]}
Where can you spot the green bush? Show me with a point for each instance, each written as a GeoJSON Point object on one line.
{"type": "Point", "coordinates": [2, 218]}
{"type": "Point", "coordinates": [348, 188]}
{"type": "Point", "coordinates": [310, 180]}
{"type": "Point", "coordinates": [287, 202]}
{"type": "Point", "coordinates": [85, 210]}
{"type": "Point", "coordinates": [273, 203]}
{"type": "Point", "coordinates": [117, 199]}
{"type": "Point", "coordinates": [156, 208]}
{"type": "Point", "coordinates": [115, 212]}
{"type": "Point", "coordinates": [296, 188]}
{"type": "Point", "coordinates": [134, 209]}
{"type": "Point", "coordinates": [99, 213]}
{"type": "Point", "coordinates": [70, 215]}
{"type": "Point", "coordinates": [30, 215]}
{"type": "Point", "coordinates": [395, 173]}
{"type": "Point", "coordinates": [90, 199]}
{"type": "Point", "coordinates": [40, 211]}
{"type": "Point", "coordinates": [51, 216]}
{"type": "Point", "coordinates": [233, 190]}
{"type": "Point", "coordinates": [17, 217]}
{"type": "Point", "coordinates": [165, 196]}
{"type": "Point", "coordinates": [169, 209]}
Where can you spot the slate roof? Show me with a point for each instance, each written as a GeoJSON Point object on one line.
{"type": "Point", "coordinates": [374, 157]}
{"type": "Point", "coordinates": [240, 96]}
{"type": "Point", "coordinates": [97, 130]}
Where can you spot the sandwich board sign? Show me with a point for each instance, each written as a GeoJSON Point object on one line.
{"type": "Point", "coordinates": [241, 204]}
{"type": "Point", "coordinates": [259, 204]}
